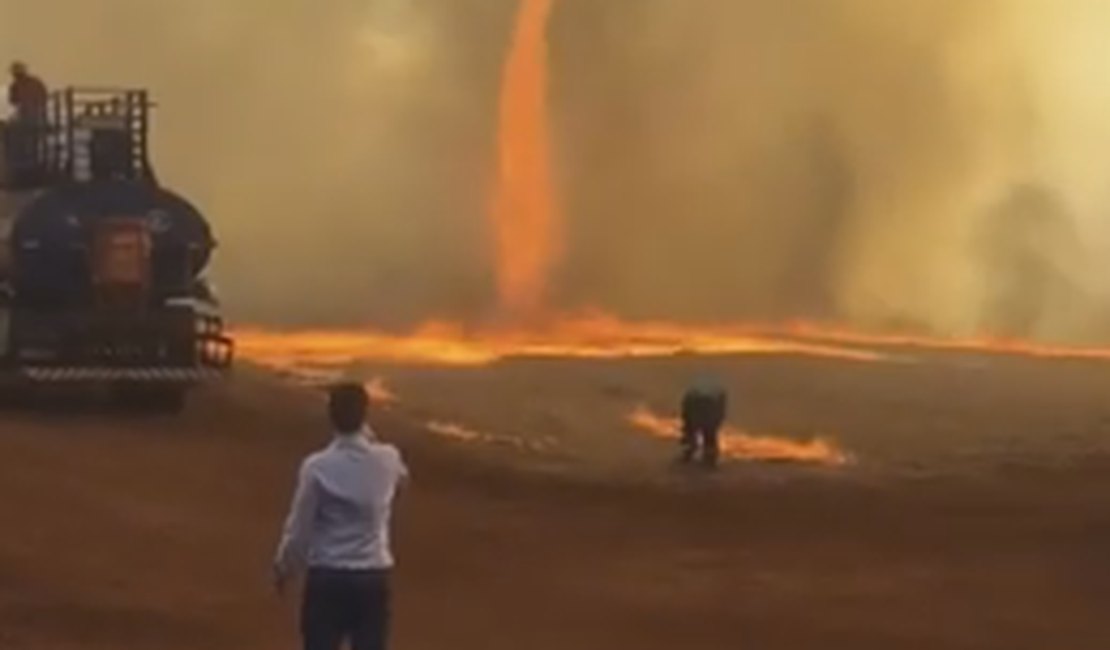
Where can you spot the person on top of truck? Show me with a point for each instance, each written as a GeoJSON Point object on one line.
{"type": "Point", "coordinates": [24, 133]}
{"type": "Point", "coordinates": [27, 94]}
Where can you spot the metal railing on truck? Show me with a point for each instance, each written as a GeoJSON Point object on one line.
{"type": "Point", "coordinates": [85, 133]}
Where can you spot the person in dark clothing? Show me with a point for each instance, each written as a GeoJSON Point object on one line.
{"type": "Point", "coordinates": [25, 133]}
{"type": "Point", "coordinates": [704, 408]}
{"type": "Point", "coordinates": [27, 94]}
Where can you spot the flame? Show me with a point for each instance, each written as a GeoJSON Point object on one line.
{"type": "Point", "coordinates": [526, 222]}
{"type": "Point", "coordinates": [588, 336]}
{"type": "Point", "coordinates": [380, 392]}
{"type": "Point", "coordinates": [308, 374]}
{"type": "Point", "coordinates": [454, 431]}
{"type": "Point", "coordinates": [739, 444]}
{"type": "Point", "coordinates": [975, 344]}
{"type": "Point", "coordinates": [524, 212]}
{"type": "Point", "coordinates": [599, 336]}
{"type": "Point", "coordinates": [462, 433]}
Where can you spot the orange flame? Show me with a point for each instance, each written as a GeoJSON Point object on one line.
{"type": "Point", "coordinates": [461, 433]}
{"type": "Point", "coordinates": [454, 431]}
{"type": "Point", "coordinates": [380, 393]}
{"type": "Point", "coordinates": [524, 215]}
{"type": "Point", "coordinates": [599, 336]}
{"type": "Point", "coordinates": [975, 344]}
{"type": "Point", "coordinates": [736, 443]}
{"type": "Point", "coordinates": [590, 337]}
{"type": "Point", "coordinates": [528, 239]}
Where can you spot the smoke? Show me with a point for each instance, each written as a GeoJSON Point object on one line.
{"type": "Point", "coordinates": [843, 160]}
{"type": "Point", "coordinates": [838, 160]}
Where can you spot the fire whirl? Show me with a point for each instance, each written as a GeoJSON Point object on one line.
{"type": "Point", "coordinates": [526, 223]}
{"type": "Point", "coordinates": [741, 445]}
{"type": "Point", "coordinates": [524, 213]}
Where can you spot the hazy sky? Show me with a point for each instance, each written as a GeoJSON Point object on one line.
{"type": "Point", "coordinates": [935, 162]}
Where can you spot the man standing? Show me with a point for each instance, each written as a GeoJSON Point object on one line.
{"type": "Point", "coordinates": [338, 527]}
{"type": "Point", "coordinates": [27, 94]}
{"type": "Point", "coordinates": [704, 407]}
{"type": "Point", "coordinates": [25, 134]}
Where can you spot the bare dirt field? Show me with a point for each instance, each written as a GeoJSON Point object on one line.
{"type": "Point", "coordinates": [976, 514]}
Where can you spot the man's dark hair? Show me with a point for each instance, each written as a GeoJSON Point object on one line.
{"type": "Point", "coordinates": [347, 405]}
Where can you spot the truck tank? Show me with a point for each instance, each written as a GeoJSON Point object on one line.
{"type": "Point", "coordinates": [11, 204]}
{"type": "Point", "coordinates": [101, 267]}
{"type": "Point", "coordinates": [45, 237]}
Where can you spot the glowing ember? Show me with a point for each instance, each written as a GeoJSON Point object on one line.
{"type": "Point", "coordinates": [741, 445]}
{"type": "Point", "coordinates": [524, 210]}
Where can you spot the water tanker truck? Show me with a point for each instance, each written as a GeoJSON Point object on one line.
{"type": "Point", "coordinates": [101, 267]}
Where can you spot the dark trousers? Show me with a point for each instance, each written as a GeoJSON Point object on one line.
{"type": "Point", "coordinates": [703, 436]}
{"type": "Point", "coordinates": [345, 605]}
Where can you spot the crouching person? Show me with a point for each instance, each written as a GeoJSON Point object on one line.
{"type": "Point", "coordinates": [704, 408]}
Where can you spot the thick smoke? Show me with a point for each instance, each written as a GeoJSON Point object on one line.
{"type": "Point", "coordinates": [934, 164]}
{"type": "Point", "coordinates": [848, 161]}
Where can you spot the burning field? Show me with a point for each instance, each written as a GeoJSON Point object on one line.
{"type": "Point", "coordinates": [527, 226]}
{"type": "Point", "coordinates": [599, 390]}
{"type": "Point", "coordinates": [845, 406]}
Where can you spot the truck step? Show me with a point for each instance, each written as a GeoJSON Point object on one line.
{"type": "Point", "coordinates": [153, 374]}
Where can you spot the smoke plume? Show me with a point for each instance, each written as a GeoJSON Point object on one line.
{"type": "Point", "coordinates": [938, 165]}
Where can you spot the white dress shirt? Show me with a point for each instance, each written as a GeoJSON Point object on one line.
{"type": "Point", "coordinates": [340, 514]}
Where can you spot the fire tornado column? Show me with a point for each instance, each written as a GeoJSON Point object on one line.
{"type": "Point", "coordinates": [525, 215]}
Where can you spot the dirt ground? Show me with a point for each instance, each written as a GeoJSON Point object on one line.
{"type": "Point", "coordinates": [131, 532]}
